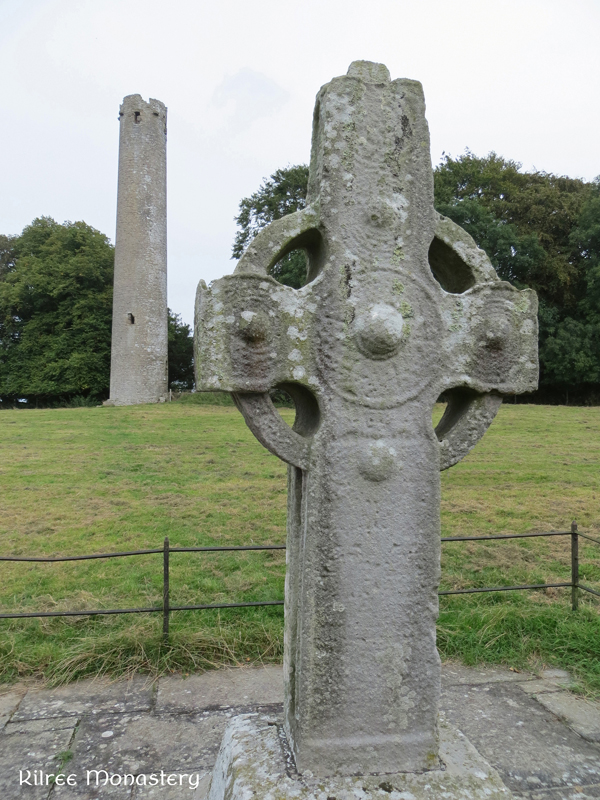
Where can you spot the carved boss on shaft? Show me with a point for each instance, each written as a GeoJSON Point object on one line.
{"type": "Point", "coordinates": [400, 306]}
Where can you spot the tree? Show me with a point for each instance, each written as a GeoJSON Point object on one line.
{"type": "Point", "coordinates": [586, 240]}
{"type": "Point", "coordinates": [283, 193]}
{"type": "Point", "coordinates": [570, 348]}
{"type": "Point", "coordinates": [570, 353]}
{"type": "Point", "coordinates": [7, 255]}
{"type": "Point", "coordinates": [181, 354]}
{"type": "Point", "coordinates": [55, 312]}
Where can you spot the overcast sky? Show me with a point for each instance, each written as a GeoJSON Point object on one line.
{"type": "Point", "coordinates": [239, 77]}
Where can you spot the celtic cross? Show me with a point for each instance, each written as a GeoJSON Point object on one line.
{"type": "Point", "coordinates": [400, 307]}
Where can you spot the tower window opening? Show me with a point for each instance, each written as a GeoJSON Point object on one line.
{"type": "Point", "coordinates": [137, 116]}
{"type": "Point", "coordinates": [130, 318]}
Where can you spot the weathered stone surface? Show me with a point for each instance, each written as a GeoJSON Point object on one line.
{"type": "Point", "coordinates": [581, 715]}
{"type": "Point", "coordinates": [30, 751]}
{"type": "Point", "coordinates": [551, 680]}
{"type": "Point", "coordinates": [30, 726]}
{"type": "Point", "coordinates": [400, 307]}
{"type": "Point", "coordinates": [9, 702]}
{"type": "Point", "coordinates": [128, 743]}
{"type": "Point", "coordinates": [138, 370]}
{"type": "Point", "coordinates": [200, 792]}
{"type": "Point", "coordinates": [539, 687]}
{"type": "Point", "coordinates": [478, 710]}
{"type": "Point", "coordinates": [84, 790]}
{"type": "Point", "coordinates": [86, 697]}
{"type": "Point", "coordinates": [572, 793]}
{"type": "Point", "coordinates": [457, 674]}
{"type": "Point", "coordinates": [559, 675]}
{"type": "Point", "coordinates": [528, 746]}
{"type": "Point", "coordinates": [251, 763]}
{"type": "Point", "coordinates": [224, 688]}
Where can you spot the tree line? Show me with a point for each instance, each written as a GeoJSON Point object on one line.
{"type": "Point", "coordinates": [540, 231]}
{"type": "Point", "coordinates": [56, 288]}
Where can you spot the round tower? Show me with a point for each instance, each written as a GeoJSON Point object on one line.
{"type": "Point", "coordinates": [138, 372]}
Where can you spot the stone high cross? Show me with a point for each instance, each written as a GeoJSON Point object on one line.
{"type": "Point", "coordinates": [400, 306]}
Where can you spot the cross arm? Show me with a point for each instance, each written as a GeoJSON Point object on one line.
{"type": "Point", "coordinates": [491, 339]}
{"type": "Point", "coordinates": [253, 334]}
{"type": "Point", "coordinates": [488, 339]}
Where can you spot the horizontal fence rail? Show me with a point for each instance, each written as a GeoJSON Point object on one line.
{"type": "Point", "coordinates": [166, 550]}
{"type": "Point", "coordinates": [145, 552]}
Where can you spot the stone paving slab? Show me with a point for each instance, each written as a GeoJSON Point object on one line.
{"type": "Point", "coordinates": [83, 791]}
{"type": "Point", "coordinates": [30, 751]}
{"type": "Point", "coordinates": [140, 744]}
{"type": "Point", "coordinates": [136, 743]}
{"type": "Point", "coordinates": [87, 697]}
{"type": "Point", "coordinates": [457, 674]}
{"type": "Point", "coordinates": [180, 727]}
{"type": "Point", "coordinates": [529, 746]}
{"type": "Point", "coordinates": [576, 793]}
{"type": "Point", "coordinates": [550, 680]}
{"type": "Point", "coordinates": [9, 702]}
{"type": "Point", "coordinates": [224, 688]}
{"type": "Point", "coordinates": [539, 687]}
{"type": "Point", "coordinates": [174, 792]}
{"type": "Point", "coordinates": [94, 790]}
{"type": "Point", "coordinates": [579, 714]}
{"type": "Point", "coordinates": [30, 726]}
{"type": "Point", "coordinates": [559, 675]}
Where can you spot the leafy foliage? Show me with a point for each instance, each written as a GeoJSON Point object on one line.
{"type": "Point", "coordinates": [7, 255]}
{"type": "Point", "coordinates": [55, 312]}
{"type": "Point", "coordinates": [283, 193]}
{"type": "Point", "coordinates": [586, 240]}
{"type": "Point", "coordinates": [181, 354]}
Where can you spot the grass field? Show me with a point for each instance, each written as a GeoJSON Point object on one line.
{"type": "Point", "coordinates": [106, 479]}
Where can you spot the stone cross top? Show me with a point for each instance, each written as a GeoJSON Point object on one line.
{"type": "Point", "coordinates": [400, 307]}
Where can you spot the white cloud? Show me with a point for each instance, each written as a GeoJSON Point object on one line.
{"type": "Point", "coordinates": [248, 95]}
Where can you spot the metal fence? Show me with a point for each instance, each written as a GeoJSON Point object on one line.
{"type": "Point", "coordinates": [166, 551]}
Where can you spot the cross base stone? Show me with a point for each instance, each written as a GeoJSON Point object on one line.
{"type": "Point", "coordinates": [254, 762]}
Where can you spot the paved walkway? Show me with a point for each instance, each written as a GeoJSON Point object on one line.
{"type": "Point", "coordinates": [543, 740]}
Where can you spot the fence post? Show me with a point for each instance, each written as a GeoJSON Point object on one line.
{"type": "Point", "coordinates": [166, 590]}
{"type": "Point", "coordinates": [574, 567]}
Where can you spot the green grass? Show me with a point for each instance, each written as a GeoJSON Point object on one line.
{"type": "Point", "coordinates": [107, 479]}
